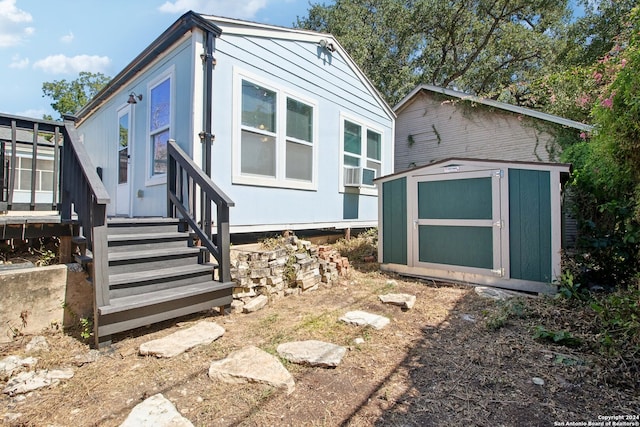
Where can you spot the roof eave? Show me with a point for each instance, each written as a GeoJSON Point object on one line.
{"type": "Point", "coordinates": [492, 103]}
{"type": "Point", "coordinates": [172, 34]}
{"type": "Point", "coordinates": [235, 26]}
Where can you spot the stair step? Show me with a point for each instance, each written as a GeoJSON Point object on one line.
{"type": "Point", "coordinates": [143, 237]}
{"type": "Point", "coordinates": [145, 241]}
{"type": "Point", "coordinates": [133, 302]}
{"type": "Point", "coordinates": [116, 257]}
{"type": "Point", "coordinates": [118, 221]}
{"type": "Point", "coordinates": [155, 275]}
{"type": "Point", "coordinates": [143, 225]}
{"type": "Point", "coordinates": [82, 259]}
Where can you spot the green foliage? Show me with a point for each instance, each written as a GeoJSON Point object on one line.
{"type": "Point", "coordinates": [71, 96]}
{"type": "Point", "coordinates": [564, 338]}
{"type": "Point", "coordinates": [478, 46]}
{"type": "Point", "coordinates": [86, 327]}
{"type": "Point", "coordinates": [45, 256]}
{"type": "Point", "coordinates": [618, 318]}
{"type": "Point", "coordinates": [568, 288]}
{"type": "Point", "coordinates": [593, 35]}
{"type": "Point", "coordinates": [505, 310]}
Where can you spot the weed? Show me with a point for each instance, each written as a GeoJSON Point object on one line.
{"type": "Point", "coordinates": [86, 327]}
{"type": "Point", "coordinates": [360, 247]}
{"type": "Point", "coordinates": [506, 310]}
{"type": "Point", "coordinates": [570, 289]}
{"type": "Point", "coordinates": [618, 315]}
{"type": "Point", "coordinates": [564, 338]}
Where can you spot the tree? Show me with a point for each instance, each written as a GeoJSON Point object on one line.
{"type": "Point", "coordinates": [377, 34]}
{"type": "Point", "coordinates": [70, 96]}
{"type": "Point", "coordinates": [593, 35]}
{"type": "Point", "coordinates": [477, 46]}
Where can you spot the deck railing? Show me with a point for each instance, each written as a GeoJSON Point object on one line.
{"type": "Point", "coordinates": [84, 194]}
{"type": "Point", "coordinates": [190, 190]}
{"type": "Point", "coordinates": [30, 155]}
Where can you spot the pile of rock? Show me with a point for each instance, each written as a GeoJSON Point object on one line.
{"type": "Point", "coordinates": [293, 267]}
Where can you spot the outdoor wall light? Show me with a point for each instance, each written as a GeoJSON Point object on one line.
{"type": "Point", "coordinates": [325, 44]}
{"type": "Point", "coordinates": [132, 98]}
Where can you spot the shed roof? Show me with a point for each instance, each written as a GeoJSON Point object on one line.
{"type": "Point", "coordinates": [484, 163]}
{"type": "Point", "coordinates": [492, 103]}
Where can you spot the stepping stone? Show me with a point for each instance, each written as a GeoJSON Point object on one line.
{"type": "Point", "coordinates": [250, 364]}
{"type": "Point", "coordinates": [255, 304]}
{"type": "Point", "coordinates": [12, 363]}
{"type": "Point", "coordinates": [156, 411]}
{"type": "Point", "coordinates": [25, 382]}
{"type": "Point", "coordinates": [405, 301]}
{"type": "Point", "coordinates": [313, 353]}
{"type": "Point", "coordinates": [38, 343]}
{"type": "Point", "coordinates": [90, 357]}
{"type": "Point", "coordinates": [493, 293]}
{"type": "Point", "coordinates": [201, 333]}
{"type": "Point", "coordinates": [362, 318]}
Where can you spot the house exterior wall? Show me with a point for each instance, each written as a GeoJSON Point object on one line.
{"type": "Point", "coordinates": [293, 67]}
{"type": "Point", "coordinates": [304, 70]}
{"type": "Point", "coordinates": [99, 132]}
{"type": "Point", "coordinates": [433, 127]}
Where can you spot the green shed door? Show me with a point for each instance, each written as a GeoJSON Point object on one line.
{"type": "Point", "coordinates": [457, 222]}
{"type": "Point", "coordinates": [530, 225]}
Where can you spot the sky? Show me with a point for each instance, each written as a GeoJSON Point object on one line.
{"type": "Point", "coordinates": [46, 40]}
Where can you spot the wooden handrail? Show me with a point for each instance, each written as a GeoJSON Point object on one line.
{"type": "Point", "coordinates": [184, 175]}
{"type": "Point", "coordinates": [81, 187]}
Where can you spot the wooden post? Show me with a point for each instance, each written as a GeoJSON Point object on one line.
{"type": "Point", "coordinates": [64, 251]}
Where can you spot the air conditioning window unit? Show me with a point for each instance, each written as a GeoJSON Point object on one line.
{"type": "Point", "coordinates": [359, 177]}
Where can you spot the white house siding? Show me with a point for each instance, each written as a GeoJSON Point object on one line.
{"type": "Point", "coordinates": [100, 130]}
{"type": "Point", "coordinates": [441, 128]}
{"type": "Point", "coordinates": [287, 59]}
{"type": "Point", "coordinates": [304, 69]}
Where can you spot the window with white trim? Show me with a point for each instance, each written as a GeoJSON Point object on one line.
{"type": "Point", "coordinates": [362, 154]}
{"type": "Point", "coordinates": [44, 174]}
{"type": "Point", "coordinates": [159, 127]}
{"type": "Point", "coordinates": [276, 138]}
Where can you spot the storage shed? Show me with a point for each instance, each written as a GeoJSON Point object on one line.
{"type": "Point", "coordinates": [495, 223]}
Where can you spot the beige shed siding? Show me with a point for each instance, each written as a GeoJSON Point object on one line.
{"type": "Point", "coordinates": [443, 128]}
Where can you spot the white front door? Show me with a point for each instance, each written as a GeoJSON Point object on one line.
{"type": "Point", "coordinates": [123, 192]}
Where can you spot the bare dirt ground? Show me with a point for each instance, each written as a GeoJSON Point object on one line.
{"type": "Point", "coordinates": [454, 359]}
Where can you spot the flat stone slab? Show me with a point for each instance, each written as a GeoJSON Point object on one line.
{"type": "Point", "coordinates": [362, 318]}
{"type": "Point", "coordinates": [38, 343]}
{"type": "Point", "coordinates": [201, 333]}
{"type": "Point", "coordinates": [156, 411]}
{"type": "Point", "coordinates": [405, 301]}
{"type": "Point", "coordinates": [493, 293]}
{"type": "Point", "coordinates": [313, 353]}
{"type": "Point", "coordinates": [255, 304]}
{"type": "Point", "coordinates": [250, 364]}
{"type": "Point", "coordinates": [13, 363]}
{"type": "Point", "coordinates": [25, 382]}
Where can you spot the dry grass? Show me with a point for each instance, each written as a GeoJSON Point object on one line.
{"type": "Point", "coordinates": [430, 366]}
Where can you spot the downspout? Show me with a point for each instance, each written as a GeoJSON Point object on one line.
{"type": "Point", "coordinates": [206, 136]}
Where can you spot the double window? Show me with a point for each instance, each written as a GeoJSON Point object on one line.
{"type": "Point", "coordinates": [277, 142]}
{"type": "Point", "coordinates": [362, 153]}
{"type": "Point", "coordinates": [44, 174]}
{"type": "Point", "coordinates": [160, 115]}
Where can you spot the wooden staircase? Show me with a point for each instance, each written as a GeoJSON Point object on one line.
{"type": "Point", "coordinates": [154, 274]}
